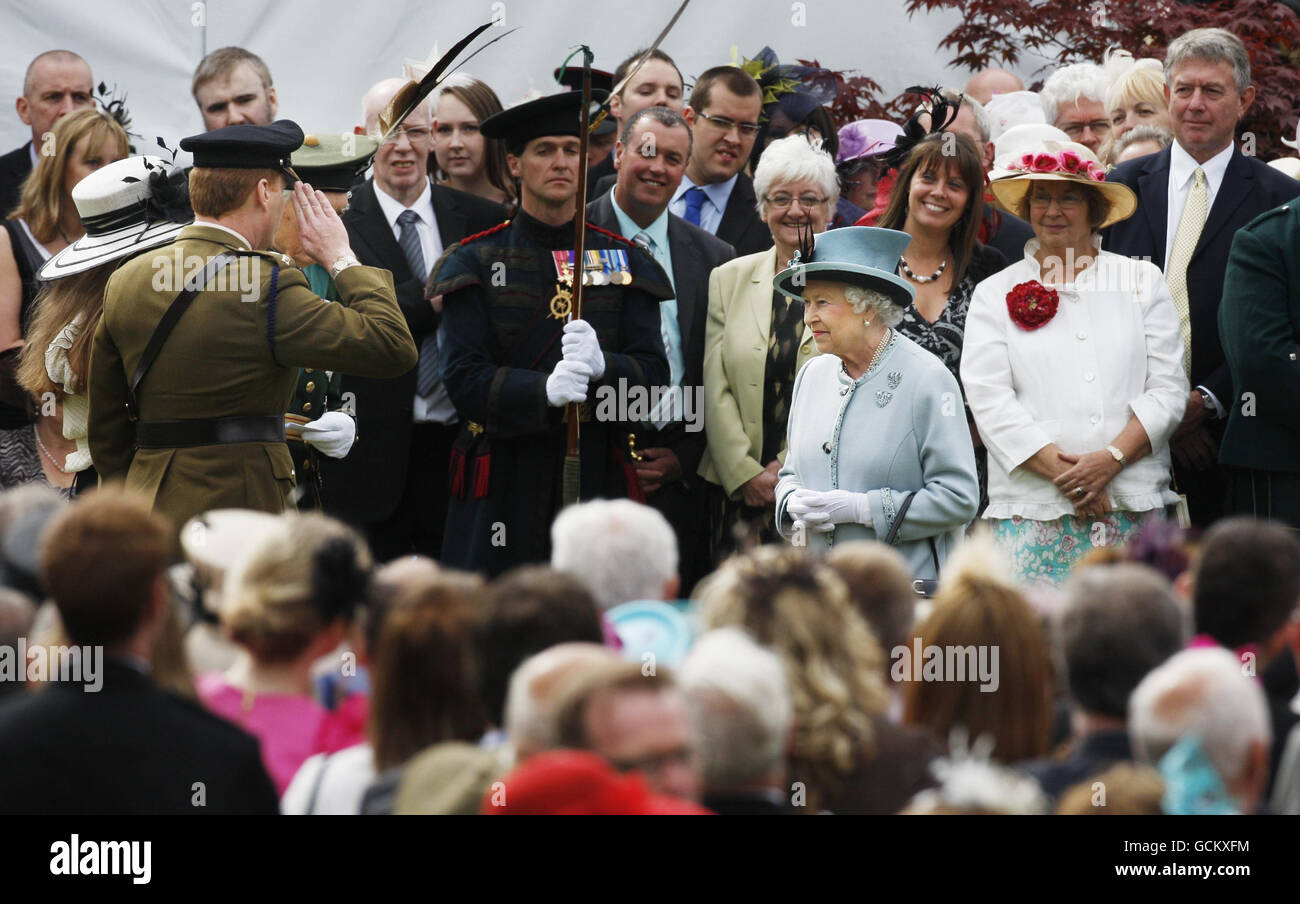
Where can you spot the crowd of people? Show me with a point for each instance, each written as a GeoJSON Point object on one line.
{"type": "Point", "coordinates": [936, 466]}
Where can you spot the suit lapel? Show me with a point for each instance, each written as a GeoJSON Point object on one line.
{"type": "Point", "coordinates": [686, 264]}
{"type": "Point", "coordinates": [759, 277]}
{"type": "Point", "coordinates": [1238, 182]}
{"type": "Point", "coordinates": [739, 204]}
{"type": "Point", "coordinates": [372, 226]}
{"type": "Point", "coordinates": [453, 223]}
{"type": "Point", "coordinates": [1153, 189]}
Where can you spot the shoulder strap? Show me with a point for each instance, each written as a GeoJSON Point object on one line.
{"type": "Point", "coordinates": [168, 322]}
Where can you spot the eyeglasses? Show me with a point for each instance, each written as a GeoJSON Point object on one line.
{"type": "Point", "coordinates": [413, 134]}
{"type": "Point", "coordinates": [1099, 127]}
{"type": "Point", "coordinates": [781, 202]}
{"type": "Point", "coordinates": [726, 125]}
{"type": "Point", "coordinates": [1069, 200]}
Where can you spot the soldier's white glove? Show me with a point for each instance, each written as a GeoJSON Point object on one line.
{"type": "Point", "coordinates": [567, 383]}
{"type": "Point", "coordinates": [580, 344]}
{"type": "Point", "coordinates": [330, 434]}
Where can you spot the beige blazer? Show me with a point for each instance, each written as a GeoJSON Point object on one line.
{"type": "Point", "coordinates": [735, 359]}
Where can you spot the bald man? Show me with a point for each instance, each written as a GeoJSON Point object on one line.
{"type": "Point", "coordinates": [988, 82]}
{"type": "Point", "coordinates": [57, 82]}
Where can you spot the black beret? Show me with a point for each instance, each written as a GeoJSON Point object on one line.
{"type": "Point", "coordinates": [247, 146]}
{"type": "Point", "coordinates": [554, 114]}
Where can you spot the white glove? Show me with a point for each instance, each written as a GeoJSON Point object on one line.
{"type": "Point", "coordinates": [822, 511]}
{"type": "Point", "coordinates": [567, 383]}
{"type": "Point", "coordinates": [580, 344]}
{"type": "Point", "coordinates": [803, 511]}
{"type": "Point", "coordinates": [331, 434]}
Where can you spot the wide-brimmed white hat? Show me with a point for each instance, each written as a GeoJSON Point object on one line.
{"type": "Point", "coordinates": [126, 207]}
{"type": "Point", "coordinates": [1019, 140]}
{"type": "Point", "coordinates": [1060, 161]}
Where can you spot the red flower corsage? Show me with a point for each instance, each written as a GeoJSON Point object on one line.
{"type": "Point", "coordinates": [1032, 304]}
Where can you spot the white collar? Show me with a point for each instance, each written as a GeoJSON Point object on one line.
{"type": "Point", "coordinates": [1182, 166]}
{"type": "Point", "coordinates": [214, 225]}
{"type": "Point", "coordinates": [393, 208]}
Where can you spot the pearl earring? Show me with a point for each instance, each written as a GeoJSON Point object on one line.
{"type": "Point", "coordinates": [866, 323]}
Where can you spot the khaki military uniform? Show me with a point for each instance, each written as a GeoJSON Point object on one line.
{"type": "Point", "coordinates": [235, 352]}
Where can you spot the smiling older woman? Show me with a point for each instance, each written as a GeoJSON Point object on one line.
{"type": "Point", "coordinates": [878, 443]}
{"type": "Point", "coordinates": [755, 342]}
{"type": "Point", "coordinates": [1073, 368]}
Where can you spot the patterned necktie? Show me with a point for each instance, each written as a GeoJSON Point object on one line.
{"type": "Point", "coordinates": [426, 376]}
{"type": "Point", "coordinates": [694, 201]}
{"type": "Point", "coordinates": [1189, 233]}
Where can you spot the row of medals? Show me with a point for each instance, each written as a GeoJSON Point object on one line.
{"type": "Point", "coordinates": [607, 268]}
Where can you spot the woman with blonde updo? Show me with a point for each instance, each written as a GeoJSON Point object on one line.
{"type": "Point", "coordinates": [289, 603]}
{"type": "Point", "coordinates": [845, 753]}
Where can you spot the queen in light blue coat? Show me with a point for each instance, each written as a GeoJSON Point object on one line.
{"type": "Point", "coordinates": [875, 418]}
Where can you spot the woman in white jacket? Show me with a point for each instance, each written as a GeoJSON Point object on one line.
{"type": "Point", "coordinates": [1073, 368]}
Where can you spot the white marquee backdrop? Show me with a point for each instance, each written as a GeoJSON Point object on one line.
{"type": "Point", "coordinates": [323, 54]}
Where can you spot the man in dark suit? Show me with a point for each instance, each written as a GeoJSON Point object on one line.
{"type": "Point", "coordinates": [1192, 199]}
{"type": "Point", "coordinates": [393, 483]}
{"type": "Point", "coordinates": [714, 194]}
{"type": "Point", "coordinates": [651, 156]}
{"type": "Point", "coordinates": [57, 82]}
{"type": "Point", "coordinates": [113, 741]}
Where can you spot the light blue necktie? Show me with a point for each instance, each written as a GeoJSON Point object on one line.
{"type": "Point", "coordinates": [427, 370]}
{"type": "Point", "coordinates": [694, 201]}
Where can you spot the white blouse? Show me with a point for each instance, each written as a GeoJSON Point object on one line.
{"type": "Point", "coordinates": [1113, 350]}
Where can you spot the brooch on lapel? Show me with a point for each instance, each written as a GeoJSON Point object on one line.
{"type": "Point", "coordinates": [895, 377]}
{"type": "Point", "coordinates": [883, 398]}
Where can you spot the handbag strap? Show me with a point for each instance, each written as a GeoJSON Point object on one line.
{"type": "Point", "coordinates": [168, 322]}
{"type": "Point", "coordinates": [898, 523]}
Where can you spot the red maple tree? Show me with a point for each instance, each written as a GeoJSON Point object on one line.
{"type": "Point", "coordinates": [998, 32]}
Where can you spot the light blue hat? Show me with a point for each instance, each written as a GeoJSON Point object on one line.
{"type": "Point", "coordinates": [860, 255]}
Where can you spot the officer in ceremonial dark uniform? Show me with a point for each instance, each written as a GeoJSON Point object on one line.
{"type": "Point", "coordinates": [188, 389]}
{"type": "Point", "coordinates": [1259, 327]}
{"type": "Point", "coordinates": [320, 421]}
{"type": "Point", "coordinates": [513, 359]}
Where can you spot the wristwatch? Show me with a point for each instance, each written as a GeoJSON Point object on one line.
{"type": "Point", "coordinates": [1206, 400]}
{"type": "Point", "coordinates": [1116, 454]}
{"type": "Point", "coordinates": [342, 264]}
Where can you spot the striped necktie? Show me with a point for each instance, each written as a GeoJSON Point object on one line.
{"type": "Point", "coordinates": [427, 370]}
{"type": "Point", "coordinates": [1190, 225]}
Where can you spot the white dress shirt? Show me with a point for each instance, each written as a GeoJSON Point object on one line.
{"type": "Point", "coordinates": [1113, 350]}
{"type": "Point", "coordinates": [1182, 175]}
{"type": "Point", "coordinates": [436, 407]}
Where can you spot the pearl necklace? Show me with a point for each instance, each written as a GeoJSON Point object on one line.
{"type": "Point", "coordinates": [881, 347]}
{"type": "Point", "coordinates": [907, 271]}
{"type": "Point", "coordinates": [37, 433]}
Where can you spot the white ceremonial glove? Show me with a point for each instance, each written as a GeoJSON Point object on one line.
{"type": "Point", "coordinates": [567, 383]}
{"type": "Point", "coordinates": [831, 508]}
{"type": "Point", "coordinates": [580, 344]}
{"type": "Point", "coordinates": [331, 434]}
{"type": "Point", "coordinates": [803, 511]}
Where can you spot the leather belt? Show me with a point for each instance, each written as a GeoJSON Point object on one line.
{"type": "Point", "coordinates": [209, 431]}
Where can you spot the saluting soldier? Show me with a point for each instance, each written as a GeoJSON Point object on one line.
{"type": "Point", "coordinates": [198, 351]}
{"type": "Point", "coordinates": [514, 358]}
{"type": "Point", "coordinates": [320, 421]}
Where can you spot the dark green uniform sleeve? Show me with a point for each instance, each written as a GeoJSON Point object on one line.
{"type": "Point", "coordinates": [1258, 317]}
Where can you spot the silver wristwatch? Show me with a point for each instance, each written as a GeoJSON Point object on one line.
{"type": "Point", "coordinates": [342, 264]}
